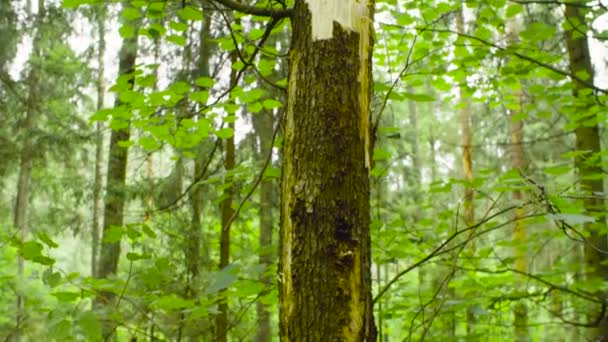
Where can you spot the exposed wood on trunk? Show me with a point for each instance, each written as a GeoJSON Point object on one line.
{"type": "Point", "coordinates": [325, 214]}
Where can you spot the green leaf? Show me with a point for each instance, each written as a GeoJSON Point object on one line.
{"type": "Point", "coordinates": [255, 107]}
{"type": "Point", "coordinates": [148, 143]}
{"type": "Point", "coordinates": [69, 4]}
{"type": "Point", "coordinates": [222, 280]}
{"type": "Point", "coordinates": [51, 278]}
{"type": "Point", "coordinates": [231, 118]}
{"type": "Point", "coordinates": [61, 331]}
{"type": "Point", "coordinates": [513, 10]}
{"type": "Point", "coordinates": [231, 108]}
{"type": "Point", "coordinates": [558, 170]}
{"type": "Point", "coordinates": [90, 325]}
{"type": "Point", "coordinates": [125, 143]}
{"type": "Point", "coordinates": [148, 231]}
{"type": "Point", "coordinates": [381, 154]}
{"type": "Point", "coordinates": [30, 250]}
{"type": "Point", "coordinates": [113, 234]}
{"type": "Point", "coordinates": [179, 40]}
{"type": "Point", "coordinates": [127, 31]}
{"type": "Point", "coordinates": [538, 31]}
{"type": "Point", "coordinates": [199, 96]}
{"type": "Point", "coordinates": [179, 87]}
{"type": "Point", "coordinates": [205, 82]}
{"type": "Point", "coordinates": [178, 26]}
{"type": "Point", "coordinates": [418, 97]}
{"type": "Point", "coordinates": [136, 256]}
{"type": "Point", "coordinates": [132, 233]}
{"type": "Point", "coordinates": [272, 172]}
{"type": "Point", "coordinates": [172, 302]}
{"type": "Point", "coordinates": [266, 66]}
{"type": "Point", "coordinates": [130, 13]}
{"type": "Point", "coordinates": [44, 260]}
{"type": "Point", "coordinates": [224, 133]}
{"type": "Point", "coordinates": [101, 115]}
{"type": "Point", "coordinates": [157, 30]}
{"type": "Point", "coordinates": [252, 95]}
{"type": "Point", "coordinates": [147, 81]}
{"type": "Point", "coordinates": [66, 297]}
{"type": "Point", "coordinates": [272, 104]}
{"type": "Point", "coordinates": [190, 13]}
{"type": "Point", "coordinates": [46, 239]}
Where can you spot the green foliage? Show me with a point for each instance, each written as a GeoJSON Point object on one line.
{"type": "Point", "coordinates": [179, 112]}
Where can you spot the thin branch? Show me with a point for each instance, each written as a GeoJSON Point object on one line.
{"type": "Point", "coordinates": [525, 58]}
{"type": "Point", "coordinates": [259, 11]}
{"type": "Point", "coordinates": [260, 176]}
{"type": "Point", "coordinates": [439, 250]}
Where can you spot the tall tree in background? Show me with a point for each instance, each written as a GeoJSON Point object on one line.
{"type": "Point", "coordinates": [26, 155]}
{"type": "Point", "coordinates": [116, 177]}
{"type": "Point", "coordinates": [516, 132]}
{"type": "Point", "coordinates": [263, 126]}
{"type": "Point", "coordinates": [325, 214]}
{"type": "Point", "coordinates": [466, 138]}
{"type": "Point", "coordinates": [227, 212]}
{"type": "Point", "coordinates": [98, 180]}
{"type": "Point", "coordinates": [589, 147]}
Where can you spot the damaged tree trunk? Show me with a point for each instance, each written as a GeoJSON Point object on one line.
{"type": "Point", "coordinates": [325, 280]}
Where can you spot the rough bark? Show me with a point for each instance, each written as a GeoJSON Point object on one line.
{"type": "Point", "coordinates": [116, 177]}
{"type": "Point", "coordinates": [325, 281]}
{"type": "Point", "coordinates": [588, 142]}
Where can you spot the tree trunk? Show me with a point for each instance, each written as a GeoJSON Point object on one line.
{"type": "Point", "coordinates": [98, 180]}
{"type": "Point", "coordinates": [24, 180]}
{"type": "Point", "coordinates": [467, 166]}
{"type": "Point", "coordinates": [325, 280]}
{"type": "Point", "coordinates": [516, 132]}
{"type": "Point", "coordinates": [263, 124]}
{"type": "Point", "coordinates": [221, 321]}
{"type": "Point", "coordinates": [588, 142]}
{"type": "Point", "coordinates": [116, 179]}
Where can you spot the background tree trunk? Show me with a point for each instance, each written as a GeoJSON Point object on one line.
{"type": "Point", "coordinates": [588, 142]}
{"type": "Point", "coordinates": [98, 180]}
{"type": "Point", "coordinates": [115, 194]}
{"type": "Point", "coordinates": [227, 213]}
{"type": "Point", "coordinates": [516, 133]}
{"type": "Point", "coordinates": [466, 137]}
{"type": "Point", "coordinates": [26, 157]}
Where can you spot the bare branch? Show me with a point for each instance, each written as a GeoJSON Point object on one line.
{"type": "Point", "coordinates": [259, 11]}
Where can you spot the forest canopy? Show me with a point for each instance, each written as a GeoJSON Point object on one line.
{"type": "Point", "coordinates": [303, 170]}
